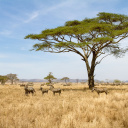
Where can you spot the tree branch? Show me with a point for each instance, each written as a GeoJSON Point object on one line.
{"type": "Point", "coordinates": [98, 62]}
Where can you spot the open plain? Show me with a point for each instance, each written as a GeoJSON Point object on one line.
{"type": "Point", "coordinates": [76, 107]}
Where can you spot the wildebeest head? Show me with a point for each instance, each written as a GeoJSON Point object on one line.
{"type": "Point", "coordinates": [51, 87]}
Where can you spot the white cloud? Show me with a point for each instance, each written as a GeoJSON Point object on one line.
{"type": "Point", "coordinates": [46, 10]}
{"type": "Point", "coordinates": [31, 17]}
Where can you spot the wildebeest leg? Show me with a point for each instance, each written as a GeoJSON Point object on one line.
{"type": "Point", "coordinates": [54, 93]}
{"type": "Point", "coordinates": [26, 93]}
{"type": "Point", "coordinates": [32, 93]}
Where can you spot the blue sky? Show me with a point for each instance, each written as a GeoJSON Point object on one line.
{"type": "Point", "coordinates": [19, 18]}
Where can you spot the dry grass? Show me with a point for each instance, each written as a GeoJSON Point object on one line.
{"type": "Point", "coordinates": [77, 107]}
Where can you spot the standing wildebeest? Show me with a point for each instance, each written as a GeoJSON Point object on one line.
{"type": "Point", "coordinates": [55, 90]}
{"type": "Point", "coordinates": [30, 84]}
{"type": "Point", "coordinates": [43, 90]}
{"type": "Point", "coordinates": [100, 90]}
{"type": "Point", "coordinates": [29, 90]}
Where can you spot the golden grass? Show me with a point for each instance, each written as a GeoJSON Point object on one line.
{"type": "Point", "coordinates": [76, 107]}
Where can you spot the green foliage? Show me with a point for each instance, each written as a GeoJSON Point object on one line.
{"type": "Point", "coordinates": [65, 79]}
{"type": "Point", "coordinates": [50, 77]}
{"type": "Point", "coordinates": [102, 39]}
{"type": "Point", "coordinates": [12, 77]}
{"type": "Point", "coordinates": [72, 23]}
{"type": "Point", "coordinates": [117, 81]}
{"type": "Point", "coordinates": [90, 32]}
{"type": "Point", "coordinates": [3, 79]}
{"type": "Point", "coordinates": [87, 20]}
{"type": "Point", "coordinates": [112, 17]}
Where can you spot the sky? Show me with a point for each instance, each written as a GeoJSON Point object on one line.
{"type": "Point", "coordinates": [19, 18]}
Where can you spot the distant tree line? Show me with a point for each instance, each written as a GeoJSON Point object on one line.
{"type": "Point", "coordinates": [9, 77]}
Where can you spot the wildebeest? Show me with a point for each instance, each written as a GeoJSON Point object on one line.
{"type": "Point", "coordinates": [100, 90]}
{"type": "Point", "coordinates": [55, 90]}
{"type": "Point", "coordinates": [67, 84]}
{"type": "Point", "coordinates": [43, 90]}
{"type": "Point", "coordinates": [22, 85]}
{"type": "Point", "coordinates": [29, 90]}
{"type": "Point", "coordinates": [30, 84]}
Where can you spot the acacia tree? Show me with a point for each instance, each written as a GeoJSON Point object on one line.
{"type": "Point", "coordinates": [65, 79]}
{"type": "Point", "coordinates": [117, 81]}
{"type": "Point", "coordinates": [3, 79]}
{"type": "Point", "coordinates": [94, 38]}
{"type": "Point", "coordinates": [50, 77]}
{"type": "Point", "coordinates": [12, 77]}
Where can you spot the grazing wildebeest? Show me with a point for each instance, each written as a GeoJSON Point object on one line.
{"type": "Point", "coordinates": [22, 85]}
{"type": "Point", "coordinates": [55, 90]}
{"type": "Point", "coordinates": [43, 90]}
{"type": "Point", "coordinates": [29, 90]}
{"type": "Point", "coordinates": [67, 84]}
{"type": "Point", "coordinates": [100, 90]}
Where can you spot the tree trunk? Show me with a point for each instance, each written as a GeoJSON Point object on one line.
{"type": "Point", "coordinates": [90, 81]}
{"type": "Point", "coordinates": [12, 81]}
{"type": "Point", "coordinates": [90, 70]}
{"type": "Point", "coordinates": [50, 81]}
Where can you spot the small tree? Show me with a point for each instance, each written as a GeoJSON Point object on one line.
{"type": "Point", "coordinates": [12, 77]}
{"type": "Point", "coordinates": [117, 81]}
{"type": "Point", "coordinates": [91, 39]}
{"type": "Point", "coordinates": [65, 79]}
{"type": "Point", "coordinates": [3, 79]}
{"type": "Point", "coordinates": [50, 77]}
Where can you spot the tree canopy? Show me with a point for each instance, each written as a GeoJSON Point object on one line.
{"type": "Point", "coordinates": [3, 79]}
{"type": "Point", "coordinates": [50, 77]}
{"type": "Point", "coordinates": [65, 79]}
{"type": "Point", "coordinates": [117, 81]}
{"type": "Point", "coordinates": [90, 38]}
{"type": "Point", "coordinates": [12, 77]}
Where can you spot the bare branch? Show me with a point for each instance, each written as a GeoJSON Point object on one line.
{"type": "Point", "coordinates": [122, 38]}
{"type": "Point", "coordinates": [98, 62]}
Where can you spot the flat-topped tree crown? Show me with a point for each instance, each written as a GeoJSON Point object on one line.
{"type": "Point", "coordinates": [88, 38]}
{"type": "Point", "coordinates": [12, 77]}
{"type": "Point", "coordinates": [49, 77]}
{"type": "Point", "coordinates": [65, 79]}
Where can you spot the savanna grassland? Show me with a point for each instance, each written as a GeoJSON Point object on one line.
{"type": "Point", "coordinates": [76, 107]}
